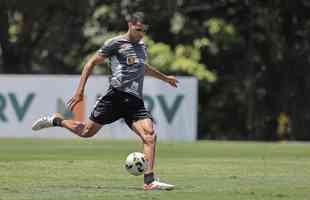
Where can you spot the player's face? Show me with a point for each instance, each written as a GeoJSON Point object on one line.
{"type": "Point", "coordinates": [137, 30]}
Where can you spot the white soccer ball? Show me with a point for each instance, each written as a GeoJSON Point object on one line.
{"type": "Point", "coordinates": [135, 163]}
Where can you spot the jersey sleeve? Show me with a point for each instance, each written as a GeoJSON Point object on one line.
{"type": "Point", "coordinates": [108, 49]}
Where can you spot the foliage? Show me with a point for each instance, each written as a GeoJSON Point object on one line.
{"type": "Point", "coordinates": [36, 37]}
{"type": "Point", "coordinates": [184, 59]}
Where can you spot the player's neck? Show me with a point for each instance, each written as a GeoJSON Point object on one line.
{"type": "Point", "coordinates": [129, 37]}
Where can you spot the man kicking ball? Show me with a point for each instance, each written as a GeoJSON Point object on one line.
{"type": "Point", "coordinates": [124, 98]}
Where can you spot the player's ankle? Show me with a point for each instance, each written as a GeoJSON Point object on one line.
{"type": "Point", "coordinates": [148, 178]}
{"type": "Point", "coordinates": [57, 121]}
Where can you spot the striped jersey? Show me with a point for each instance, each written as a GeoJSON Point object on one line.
{"type": "Point", "coordinates": [127, 64]}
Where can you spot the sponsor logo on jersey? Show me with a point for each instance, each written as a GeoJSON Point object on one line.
{"type": "Point", "coordinates": [124, 47]}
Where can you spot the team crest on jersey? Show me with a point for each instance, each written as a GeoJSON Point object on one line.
{"type": "Point", "coordinates": [131, 60]}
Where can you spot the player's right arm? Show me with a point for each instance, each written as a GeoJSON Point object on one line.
{"type": "Point", "coordinates": [107, 50]}
{"type": "Point", "coordinates": [87, 69]}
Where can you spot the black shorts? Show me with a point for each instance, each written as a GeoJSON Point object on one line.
{"type": "Point", "coordinates": [116, 105]}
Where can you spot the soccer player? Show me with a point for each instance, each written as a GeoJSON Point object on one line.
{"type": "Point", "coordinates": [123, 99]}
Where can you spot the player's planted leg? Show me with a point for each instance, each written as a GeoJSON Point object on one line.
{"type": "Point", "coordinates": [144, 128]}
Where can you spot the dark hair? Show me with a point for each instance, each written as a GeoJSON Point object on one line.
{"type": "Point", "coordinates": [136, 17]}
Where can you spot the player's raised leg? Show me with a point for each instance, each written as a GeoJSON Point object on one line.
{"type": "Point", "coordinates": [145, 130]}
{"type": "Point", "coordinates": [82, 129]}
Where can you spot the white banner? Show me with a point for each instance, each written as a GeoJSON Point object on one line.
{"type": "Point", "coordinates": [24, 98]}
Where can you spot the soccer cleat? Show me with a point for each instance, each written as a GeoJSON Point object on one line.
{"type": "Point", "coordinates": [156, 185]}
{"type": "Point", "coordinates": [43, 122]}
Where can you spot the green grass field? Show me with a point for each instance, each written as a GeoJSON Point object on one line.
{"type": "Point", "coordinates": [94, 170]}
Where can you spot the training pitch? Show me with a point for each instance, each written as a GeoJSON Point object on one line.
{"type": "Point", "coordinates": [90, 169]}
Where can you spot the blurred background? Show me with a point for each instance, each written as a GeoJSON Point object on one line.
{"type": "Point", "coordinates": [251, 58]}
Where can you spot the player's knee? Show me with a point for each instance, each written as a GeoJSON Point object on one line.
{"type": "Point", "coordinates": [87, 133]}
{"type": "Point", "coordinates": [149, 136]}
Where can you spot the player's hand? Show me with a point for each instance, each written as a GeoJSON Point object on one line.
{"type": "Point", "coordinates": [74, 100]}
{"type": "Point", "coordinates": [172, 80]}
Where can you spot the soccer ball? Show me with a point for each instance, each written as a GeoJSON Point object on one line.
{"type": "Point", "coordinates": [135, 163]}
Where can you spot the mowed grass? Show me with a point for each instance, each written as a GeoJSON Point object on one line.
{"type": "Point", "coordinates": [80, 169]}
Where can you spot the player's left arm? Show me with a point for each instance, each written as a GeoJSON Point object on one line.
{"type": "Point", "coordinates": [151, 71]}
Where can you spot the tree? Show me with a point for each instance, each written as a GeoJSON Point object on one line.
{"type": "Point", "coordinates": [41, 37]}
